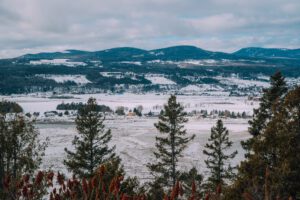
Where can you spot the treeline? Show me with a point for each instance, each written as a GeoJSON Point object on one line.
{"type": "Point", "coordinates": [221, 114]}
{"type": "Point", "coordinates": [270, 170]}
{"type": "Point", "coordinates": [79, 106]}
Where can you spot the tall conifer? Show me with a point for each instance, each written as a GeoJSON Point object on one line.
{"type": "Point", "coordinates": [91, 144]}
{"type": "Point", "coordinates": [269, 103]}
{"type": "Point", "coordinates": [218, 160]}
{"type": "Point", "coordinates": [21, 150]}
{"type": "Point", "coordinates": [271, 95]}
{"type": "Point", "coordinates": [171, 143]}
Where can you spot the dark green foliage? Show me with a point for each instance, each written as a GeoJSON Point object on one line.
{"type": "Point", "coordinates": [91, 143]}
{"type": "Point", "coordinates": [218, 160]}
{"type": "Point", "coordinates": [78, 106]}
{"type": "Point", "coordinates": [270, 96]}
{"type": "Point", "coordinates": [10, 107]}
{"type": "Point", "coordinates": [171, 143]}
{"type": "Point", "coordinates": [138, 110]}
{"type": "Point", "coordinates": [282, 137]}
{"type": "Point", "coordinates": [269, 103]}
{"type": "Point", "coordinates": [275, 145]}
{"type": "Point", "coordinates": [156, 190]}
{"type": "Point", "coordinates": [268, 52]}
{"type": "Point", "coordinates": [188, 179]}
{"type": "Point", "coordinates": [120, 110]}
{"type": "Point", "coordinates": [20, 149]}
{"type": "Point", "coordinates": [276, 149]}
{"type": "Point", "coordinates": [107, 82]}
{"type": "Point", "coordinates": [114, 168]}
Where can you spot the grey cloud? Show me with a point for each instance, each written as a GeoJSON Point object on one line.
{"type": "Point", "coordinates": [223, 25]}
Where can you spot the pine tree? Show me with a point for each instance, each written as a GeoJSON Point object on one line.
{"type": "Point", "coordinates": [171, 144]}
{"type": "Point", "coordinates": [21, 151]}
{"type": "Point", "coordinates": [113, 169]}
{"type": "Point", "coordinates": [91, 144]}
{"type": "Point", "coordinates": [275, 148]}
{"type": "Point", "coordinates": [264, 113]}
{"type": "Point", "coordinates": [271, 97]}
{"type": "Point", "coordinates": [278, 147]}
{"type": "Point", "coordinates": [192, 179]}
{"type": "Point", "coordinates": [218, 161]}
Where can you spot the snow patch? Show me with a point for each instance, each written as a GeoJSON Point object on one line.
{"type": "Point", "coordinates": [242, 83]}
{"type": "Point", "coordinates": [159, 80]}
{"type": "Point", "coordinates": [65, 62]}
{"type": "Point", "coordinates": [132, 62]}
{"type": "Point", "coordinates": [78, 79]}
{"type": "Point", "coordinates": [200, 88]}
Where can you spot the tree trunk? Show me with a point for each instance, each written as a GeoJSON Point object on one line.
{"type": "Point", "coordinates": [173, 159]}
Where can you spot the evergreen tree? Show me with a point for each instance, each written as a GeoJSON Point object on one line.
{"type": "Point", "coordinates": [276, 149]}
{"type": "Point", "coordinates": [218, 161]}
{"type": "Point", "coordinates": [10, 107]}
{"type": "Point", "coordinates": [91, 144]}
{"type": "Point", "coordinates": [264, 113]}
{"type": "Point", "coordinates": [192, 179]}
{"type": "Point", "coordinates": [20, 149]}
{"type": "Point", "coordinates": [271, 97]}
{"type": "Point", "coordinates": [113, 169]}
{"type": "Point", "coordinates": [170, 145]}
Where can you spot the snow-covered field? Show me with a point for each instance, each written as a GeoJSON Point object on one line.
{"type": "Point", "coordinates": [150, 102]}
{"type": "Point", "coordinates": [134, 136]}
{"type": "Point", "coordinates": [135, 139]}
{"type": "Point", "coordinates": [159, 80]}
{"type": "Point", "coordinates": [242, 83]}
{"type": "Point", "coordinates": [78, 79]}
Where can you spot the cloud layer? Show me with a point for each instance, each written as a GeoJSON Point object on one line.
{"type": "Point", "coordinates": [221, 25]}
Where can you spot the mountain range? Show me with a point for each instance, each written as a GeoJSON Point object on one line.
{"type": "Point", "coordinates": [132, 69]}
{"type": "Point", "coordinates": [175, 53]}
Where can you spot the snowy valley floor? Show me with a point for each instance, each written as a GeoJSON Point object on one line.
{"type": "Point", "coordinates": [135, 138]}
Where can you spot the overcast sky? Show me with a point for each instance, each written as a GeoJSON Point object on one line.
{"type": "Point", "coordinates": [220, 25]}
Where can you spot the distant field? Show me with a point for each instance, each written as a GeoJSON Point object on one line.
{"type": "Point", "coordinates": [150, 101]}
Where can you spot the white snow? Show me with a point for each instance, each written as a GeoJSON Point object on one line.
{"type": "Point", "coordinates": [132, 62]}
{"type": "Point", "coordinates": [78, 79]}
{"type": "Point", "coordinates": [135, 141]}
{"type": "Point", "coordinates": [200, 88]}
{"type": "Point", "coordinates": [242, 83]}
{"type": "Point", "coordinates": [149, 101]}
{"type": "Point", "coordinates": [157, 53]}
{"type": "Point", "coordinates": [65, 62]}
{"type": "Point", "coordinates": [134, 137]}
{"type": "Point", "coordinates": [293, 81]}
{"type": "Point", "coordinates": [119, 75]}
{"type": "Point", "coordinates": [159, 79]}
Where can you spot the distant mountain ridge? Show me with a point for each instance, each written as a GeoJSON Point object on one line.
{"type": "Point", "coordinates": [174, 53]}
{"type": "Point", "coordinates": [259, 52]}
{"type": "Point", "coordinates": [128, 69]}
